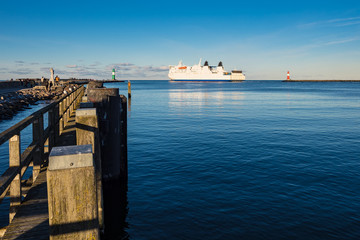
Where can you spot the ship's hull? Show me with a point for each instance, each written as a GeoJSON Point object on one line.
{"type": "Point", "coordinates": [205, 80]}
{"type": "Point", "coordinates": [205, 77]}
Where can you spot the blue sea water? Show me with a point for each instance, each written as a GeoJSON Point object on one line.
{"type": "Point", "coordinates": [250, 160]}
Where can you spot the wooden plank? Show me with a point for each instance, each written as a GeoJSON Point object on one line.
{"type": "Point", "coordinates": [31, 220]}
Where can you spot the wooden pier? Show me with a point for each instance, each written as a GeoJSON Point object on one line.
{"type": "Point", "coordinates": [62, 156]}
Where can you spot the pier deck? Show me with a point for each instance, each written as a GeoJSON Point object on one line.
{"type": "Point", "coordinates": [87, 168]}
{"type": "Point", "coordinates": [32, 218]}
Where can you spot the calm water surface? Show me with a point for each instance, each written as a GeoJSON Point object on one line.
{"type": "Point", "coordinates": [251, 160]}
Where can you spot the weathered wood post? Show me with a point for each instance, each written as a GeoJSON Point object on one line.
{"type": "Point", "coordinates": [51, 124]}
{"type": "Point", "coordinates": [67, 109]}
{"type": "Point", "coordinates": [129, 89]}
{"type": "Point", "coordinates": [71, 186]}
{"type": "Point", "coordinates": [108, 104]}
{"type": "Point", "coordinates": [15, 186]}
{"type": "Point", "coordinates": [73, 100]}
{"type": "Point", "coordinates": [56, 123]}
{"type": "Point", "coordinates": [38, 137]}
{"type": "Point", "coordinates": [61, 120]}
{"type": "Point", "coordinates": [123, 142]}
{"type": "Point", "coordinates": [87, 132]}
{"type": "Point", "coordinates": [65, 101]}
{"type": "Point", "coordinates": [70, 103]}
{"type": "Point", "coordinates": [95, 84]}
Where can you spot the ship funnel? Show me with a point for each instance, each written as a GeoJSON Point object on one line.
{"type": "Point", "coordinates": [206, 63]}
{"type": "Point", "coordinates": [220, 64]}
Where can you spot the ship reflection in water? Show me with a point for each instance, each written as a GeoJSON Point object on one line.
{"type": "Point", "coordinates": [183, 98]}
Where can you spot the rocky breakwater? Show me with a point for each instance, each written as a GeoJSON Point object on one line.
{"type": "Point", "coordinates": [11, 103]}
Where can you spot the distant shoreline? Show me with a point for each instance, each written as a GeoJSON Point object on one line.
{"type": "Point", "coordinates": [321, 80]}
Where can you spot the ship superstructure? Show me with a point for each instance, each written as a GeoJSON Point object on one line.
{"type": "Point", "coordinates": [198, 72]}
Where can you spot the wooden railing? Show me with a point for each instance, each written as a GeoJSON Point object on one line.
{"type": "Point", "coordinates": [36, 153]}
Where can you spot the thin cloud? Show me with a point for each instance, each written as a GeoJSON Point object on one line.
{"type": "Point", "coordinates": [19, 62]}
{"type": "Point", "coordinates": [340, 41]}
{"type": "Point", "coordinates": [133, 71]}
{"type": "Point", "coordinates": [348, 23]}
{"type": "Point", "coordinates": [156, 69]}
{"type": "Point", "coordinates": [22, 72]}
{"type": "Point", "coordinates": [124, 71]}
{"type": "Point", "coordinates": [45, 69]}
{"type": "Point", "coordinates": [122, 64]}
{"type": "Point", "coordinates": [337, 22]}
{"type": "Point", "coordinates": [95, 64]}
{"type": "Point", "coordinates": [71, 66]}
{"type": "Point", "coordinates": [307, 49]}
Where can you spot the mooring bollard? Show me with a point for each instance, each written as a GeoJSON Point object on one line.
{"type": "Point", "coordinates": [71, 186]}
{"type": "Point", "coordinates": [87, 132]}
{"type": "Point", "coordinates": [129, 89]}
{"type": "Point", "coordinates": [95, 84]}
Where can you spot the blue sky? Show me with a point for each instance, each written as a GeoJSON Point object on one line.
{"type": "Point", "coordinates": [86, 39]}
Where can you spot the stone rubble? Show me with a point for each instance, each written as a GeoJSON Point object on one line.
{"type": "Point", "coordinates": [12, 102]}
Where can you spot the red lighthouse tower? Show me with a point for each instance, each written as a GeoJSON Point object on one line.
{"type": "Point", "coordinates": [288, 75]}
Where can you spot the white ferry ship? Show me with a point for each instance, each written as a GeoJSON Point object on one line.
{"type": "Point", "coordinates": [197, 72]}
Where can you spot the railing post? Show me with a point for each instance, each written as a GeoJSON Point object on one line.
{"type": "Point", "coordinates": [61, 120]}
{"type": "Point", "coordinates": [87, 132]}
{"type": "Point", "coordinates": [64, 111]}
{"type": "Point", "coordinates": [15, 187]}
{"type": "Point", "coordinates": [71, 102]}
{"type": "Point", "coordinates": [51, 124]}
{"type": "Point", "coordinates": [56, 122]}
{"type": "Point", "coordinates": [67, 110]}
{"type": "Point", "coordinates": [38, 138]}
{"type": "Point", "coordinates": [71, 185]}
